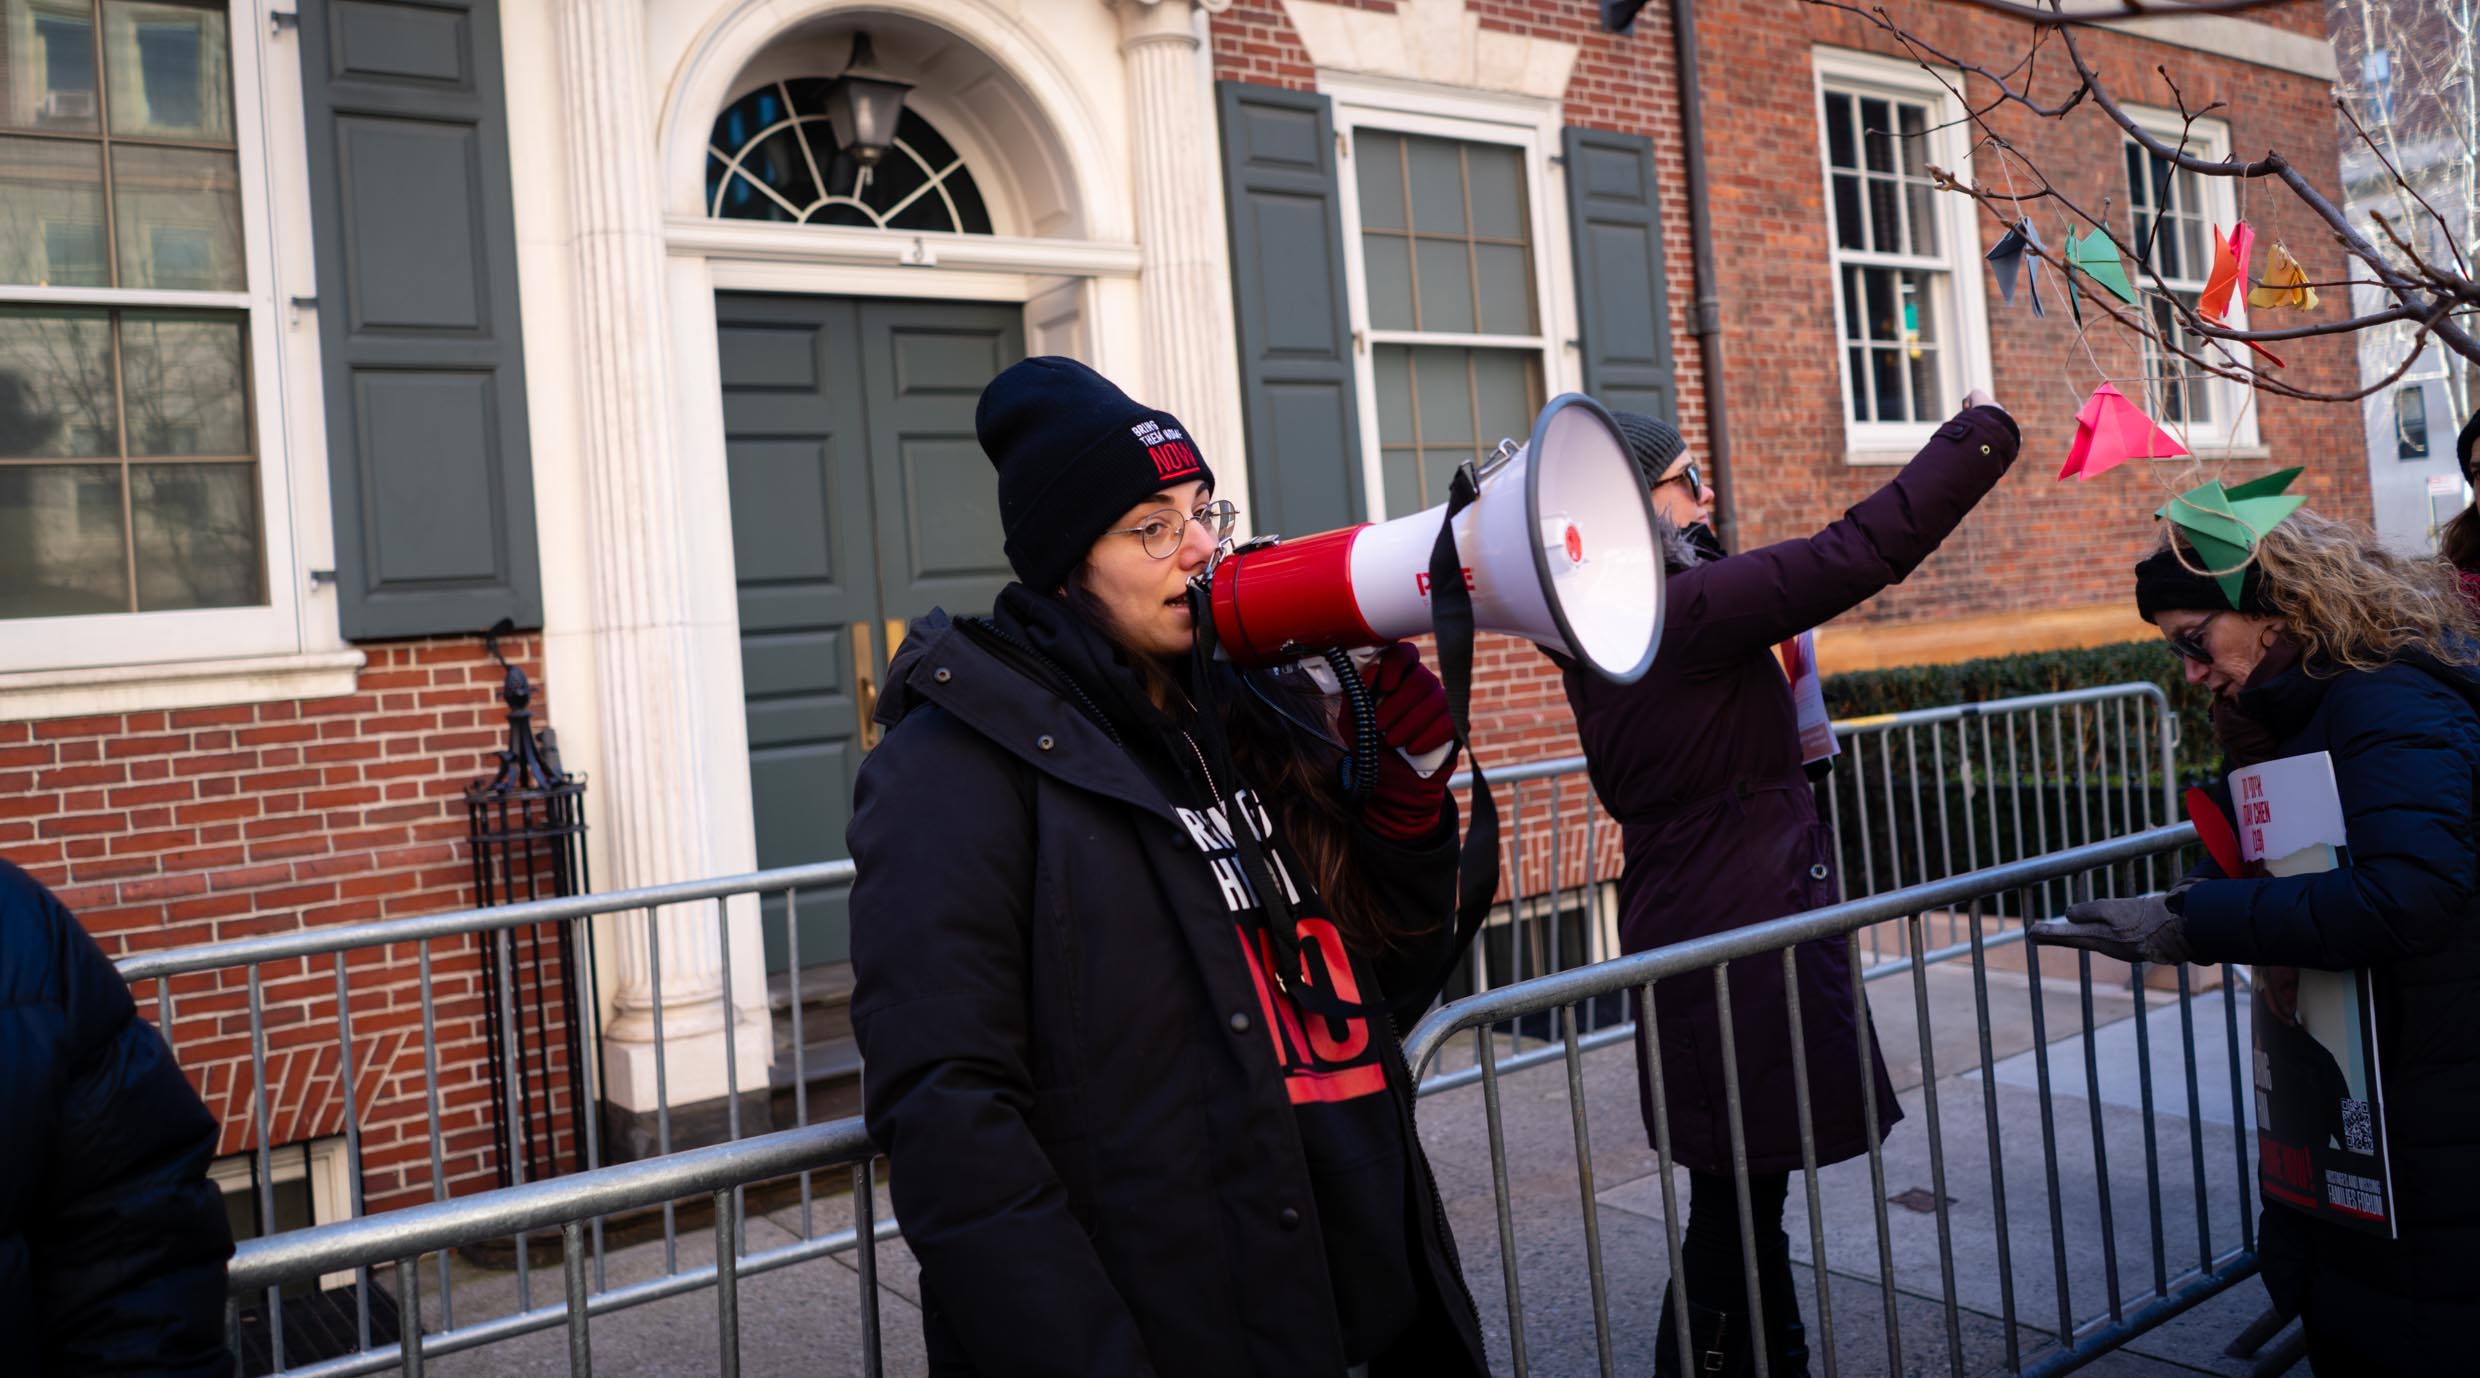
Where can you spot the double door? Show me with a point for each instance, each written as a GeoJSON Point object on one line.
{"type": "Point", "coordinates": [860, 500]}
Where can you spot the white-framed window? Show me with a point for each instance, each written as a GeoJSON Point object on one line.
{"type": "Point", "coordinates": [1910, 322]}
{"type": "Point", "coordinates": [2171, 215]}
{"type": "Point", "coordinates": [1455, 246]}
{"type": "Point", "coordinates": [145, 499]}
{"type": "Point", "coordinates": [309, 1183]}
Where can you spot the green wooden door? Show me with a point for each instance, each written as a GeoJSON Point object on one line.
{"type": "Point", "coordinates": [860, 500]}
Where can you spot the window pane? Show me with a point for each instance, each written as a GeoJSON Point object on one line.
{"type": "Point", "coordinates": [2139, 187]}
{"type": "Point", "coordinates": [197, 535]}
{"type": "Point", "coordinates": [1446, 284]}
{"type": "Point", "coordinates": [1438, 467]}
{"type": "Point", "coordinates": [1401, 471]}
{"type": "Point", "coordinates": [1886, 217]}
{"type": "Point", "coordinates": [184, 385]}
{"type": "Point", "coordinates": [1445, 398]}
{"type": "Point", "coordinates": [1387, 261]}
{"type": "Point", "coordinates": [1503, 395]}
{"type": "Point", "coordinates": [51, 213]}
{"type": "Point", "coordinates": [49, 83]}
{"type": "Point", "coordinates": [179, 218]}
{"type": "Point", "coordinates": [1928, 389]}
{"type": "Point", "coordinates": [1842, 145]}
{"type": "Point", "coordinates": [1505, 272]}
{"type": "Point", "coordinates": [1922, 201]}
{"type": "Point", "coordinates": [1381, 174]}
{"type": "Point", "coordinates": [1879, 322]}
{"type": "Point", "coordinates": [1850, 229]}
{"type": "Point", "coordinates": [1497, 176]}
{"type": "Point", "coordinates": [1886, 377]}
{"type": "Point", "coordinates": [1876, 134]}
{"type": "Point", "coordinates": [1391, 367]}
{"type": "Point", "coordinates": [1912, 122]}
{"type": "Point", "coordinates": [168, 67]}
{"type": "Point", "coordinates": [1857, 360]}
{"type": "Point", "coordinates": [1854, 321]}
{"type": "Point", "coordinates": [1437, 186]}
{"type": "Point", "coordinates": [56, 384]}
{"type": "Point", "coordinates": [61, 551]}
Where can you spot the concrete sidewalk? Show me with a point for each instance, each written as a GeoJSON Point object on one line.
{"type": "Point", "coordinates": [805, 1319]}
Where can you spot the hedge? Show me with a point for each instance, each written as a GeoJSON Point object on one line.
{"type": "Point", "coordinates": [1859, 693]}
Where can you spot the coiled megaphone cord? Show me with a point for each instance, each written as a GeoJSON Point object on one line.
{"type": "Point", "coordinates": [1360, 768]}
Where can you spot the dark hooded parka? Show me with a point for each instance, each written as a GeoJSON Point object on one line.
{"type": "Point", "coordinates": [2405, 743]}
{"type": "Point", "coordinates": [1117, 1147]}
{"type": "Point", "coordinates": [1699, 761]}
{"type": "Point", "coordinates": [112, 1240]}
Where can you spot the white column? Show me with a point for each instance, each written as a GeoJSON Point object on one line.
{"type": "Point", "coordinates": [1192, 362]}
{"type": "Point", "coordinates": [654, 717]}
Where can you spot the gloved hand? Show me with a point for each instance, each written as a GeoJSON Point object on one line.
{"type": "Point", "coordinates": [2133, 930]}
{"type": "Point", "coordinates": [1412, 721]}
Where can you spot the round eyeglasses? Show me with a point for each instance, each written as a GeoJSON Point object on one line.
{"type": "Point", "coordinates": [1161, 532]}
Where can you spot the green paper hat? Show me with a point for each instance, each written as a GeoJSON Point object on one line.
{"type": "Point", "coordinates": [2098, 258]}
{"type": "Point", "coordinates": [2223, 524]}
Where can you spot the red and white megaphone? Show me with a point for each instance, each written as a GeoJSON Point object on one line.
{"type": "Point", "coordinates": [1558, 547]}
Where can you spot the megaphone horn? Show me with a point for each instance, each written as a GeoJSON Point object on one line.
{"type": "Point", "coordinates": [1558, 548]}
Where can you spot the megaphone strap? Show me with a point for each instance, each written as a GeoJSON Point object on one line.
{"type": "Point", "coordinates": [1451, 622]}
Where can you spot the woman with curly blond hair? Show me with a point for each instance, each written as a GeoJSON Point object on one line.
{"type": "Point", "coordinates": [2337, 645]}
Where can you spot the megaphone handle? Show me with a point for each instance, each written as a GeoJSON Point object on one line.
{"type": "Point", "coordinates": [1361, 776]}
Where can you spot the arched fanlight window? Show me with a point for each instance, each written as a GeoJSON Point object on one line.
{"type": "Point", "coordinates": [773, 156]}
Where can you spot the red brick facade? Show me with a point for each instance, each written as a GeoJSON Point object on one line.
{"type": "Point", "coordinates": [2034, 545]}
{"type": "Point", "coordinates": [169, 829]}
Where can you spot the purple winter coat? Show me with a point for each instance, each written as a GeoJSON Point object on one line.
{"type": "Point", "coordinates": [1700, 762]}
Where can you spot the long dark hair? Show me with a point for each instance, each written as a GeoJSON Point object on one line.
{"type": "Point", "coordinates": [1292, 771]}
{"type": "Point", "coordinates": [2459, 542]}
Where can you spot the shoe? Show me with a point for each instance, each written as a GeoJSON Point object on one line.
{"type": "Point", "coordinates": [1717, 1344]}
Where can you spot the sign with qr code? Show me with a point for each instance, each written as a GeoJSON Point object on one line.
{"type": "Point", "coordinates": [2320, 1118]}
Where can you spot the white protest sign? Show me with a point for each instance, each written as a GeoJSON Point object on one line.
{"type": "Point", "coordinates": [2287, 806]}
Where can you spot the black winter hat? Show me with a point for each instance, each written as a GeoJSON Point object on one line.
{"type": "Point", "coordinates": [2165, 581]}
{"type": "Point", "coordinates": [1073, 453]}
{"type": "Point", "coordinates": [1652, 442]}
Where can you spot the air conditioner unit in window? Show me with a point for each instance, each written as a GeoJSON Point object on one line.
{"type": "Point", "coordinates": [68, 105]}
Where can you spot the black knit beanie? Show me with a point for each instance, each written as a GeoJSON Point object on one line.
{"type": "Point", "coordinates": [1652, 442]}
{"type": "Point", "coordinates": [2467, 448]}
{"type": "Point", "coordinates": [2165, 583]}
{"type": "Point", "coordinates": [1073, 453]}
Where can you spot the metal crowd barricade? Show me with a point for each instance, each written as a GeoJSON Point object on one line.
{"type": "Point", "coordinates": [1560, 915]}
{"type": "Point", "coordinates": [2079, 1334]}
{"type": "Point", "coordinates": [200, 976]}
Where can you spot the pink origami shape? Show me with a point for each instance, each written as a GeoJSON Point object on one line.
{"type": "Point", "coordinates": [2109, 431]}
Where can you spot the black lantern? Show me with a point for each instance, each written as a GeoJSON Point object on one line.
{"type": "Point", "coordinates": [863, 105]}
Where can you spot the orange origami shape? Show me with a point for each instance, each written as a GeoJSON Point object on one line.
{"type": "Point", "coordinates": [2286, 285]}
{"type": "Point", "coordinates": [2222, 303]}
{"type": "Point", "coordinates": [2109, 431]}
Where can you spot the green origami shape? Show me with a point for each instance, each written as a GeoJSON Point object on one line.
{"type": "Point", "coordinates": [2098, 257]}
{"type": "Point", "coordinates": [2222, 524]}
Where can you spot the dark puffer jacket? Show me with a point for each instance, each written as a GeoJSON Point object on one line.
{"type": "Point", "coordinates": [112, 1241]}
{"type": "Point", "coordinates": [2405, 742]}
{"type": "Point", "coordinates": [1069, 1054]}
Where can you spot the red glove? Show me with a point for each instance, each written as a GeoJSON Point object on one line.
{"type": "Point", "coordinates": [1412, 719]}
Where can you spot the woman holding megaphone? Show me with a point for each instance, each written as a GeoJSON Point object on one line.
{"type": "Point", "coordinates": [1128, 970]}
{"type": "Point", "coordinates": [1701, 761]}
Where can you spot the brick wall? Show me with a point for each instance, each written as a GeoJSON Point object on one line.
{"type": "Point", "coordinates": [197, 825]}
{"type": "Point", "coordinates": [2034, 544]}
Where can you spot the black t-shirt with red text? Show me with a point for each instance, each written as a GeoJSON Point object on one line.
{"type": "Point", "coordinates": [1335, 1073]}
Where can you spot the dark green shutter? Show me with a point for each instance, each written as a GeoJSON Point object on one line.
{"type": "Point", "coordinates": [417, 308]}
{"type": "Point", "coordinates": [1296, 366]}
{"type": "Point", "coordinates": [1614, 215]}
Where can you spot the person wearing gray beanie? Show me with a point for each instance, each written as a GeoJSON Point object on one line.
{"type": "Point", "coordinates": [1705, 760]}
